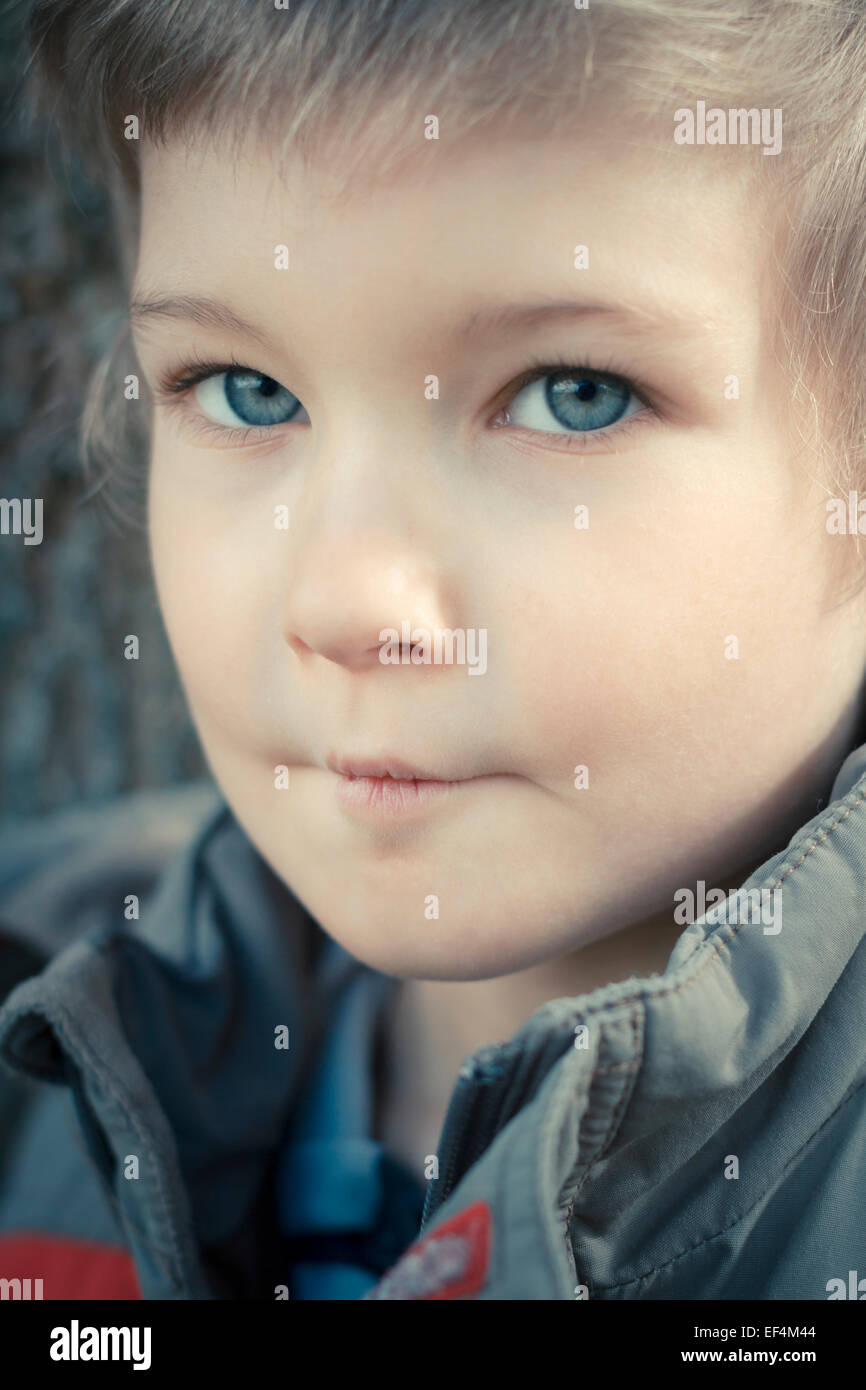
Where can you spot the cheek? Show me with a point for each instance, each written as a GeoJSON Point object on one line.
{"type": "Point", "coordinates": [665, 645]}
{"type": "Point", "coordinates": [212, 568]}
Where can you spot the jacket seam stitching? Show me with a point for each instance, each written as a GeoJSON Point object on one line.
{"type": "Point", "coordinates": [730, 931]}
{"type": "Point", "coordinates": [628, 1069]}
{"type": "Point", "coordinates": [102, 1071]}
{"type": "Point", "coordinates": [705, 1240]}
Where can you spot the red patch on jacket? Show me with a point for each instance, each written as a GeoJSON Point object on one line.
{"type": "Point", "coordinates": [68, 1268]}
{"type": "Point", "coordinates": [450, 1262]}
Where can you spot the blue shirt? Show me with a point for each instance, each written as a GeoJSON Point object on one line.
{"type": "Point", "coordinates": [347, 1208]}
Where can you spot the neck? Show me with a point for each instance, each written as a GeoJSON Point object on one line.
{"type": "Point", "coordinates": [436, 1024]}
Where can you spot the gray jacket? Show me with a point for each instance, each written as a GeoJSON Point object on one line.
{"type": "Point", "coordinates": [699, 1134]}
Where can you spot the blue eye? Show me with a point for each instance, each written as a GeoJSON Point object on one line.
{"type": "Point", "coordinates": [244, 397]}
{"type": "Point", "coordinates": [577, 399]}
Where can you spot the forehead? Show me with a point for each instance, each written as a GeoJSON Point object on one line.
{"type": "Point", "coordinates": [479, 220]}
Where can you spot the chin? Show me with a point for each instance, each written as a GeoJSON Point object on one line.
{"type": "Point", "coordinates": [451, 950]}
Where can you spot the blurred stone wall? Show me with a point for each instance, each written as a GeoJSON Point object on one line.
{"type": "Point", "coordinates": [78, 723]}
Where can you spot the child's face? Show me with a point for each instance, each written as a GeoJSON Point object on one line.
{"type": "Point", "coordinates": [609, 646]}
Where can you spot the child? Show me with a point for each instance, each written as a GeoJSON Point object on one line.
{"type": "Point", "coordinates": [501, 365]}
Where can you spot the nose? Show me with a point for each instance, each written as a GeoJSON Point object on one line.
{"type": "Point", "coordinates": [346, 609]}
{"type": "Point", "coordinates": [368, 555]}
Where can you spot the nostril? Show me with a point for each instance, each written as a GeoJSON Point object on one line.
{"type": "Point", "coordinates": [298, 645]}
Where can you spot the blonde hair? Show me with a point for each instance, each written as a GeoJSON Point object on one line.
{"type": "Point", "coordinates": [346, 75]}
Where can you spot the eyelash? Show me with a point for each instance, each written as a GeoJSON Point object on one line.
{"type": "Point", "coordinates": [539, 367]}
{"type": "Point", "coordinates": [174, 385]}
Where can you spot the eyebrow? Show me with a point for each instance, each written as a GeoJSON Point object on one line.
{"type": "Point", "coordinates": [635, 319]}
{"type": "Point", "coordinates": [200, 309]}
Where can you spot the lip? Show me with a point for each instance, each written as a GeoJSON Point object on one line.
{"type": "Point", "coordinates": [389, 796]}
{"type": "Point", "coordinates": [387, 786]}
{"type": "Point", "coordinates": [395, 768]}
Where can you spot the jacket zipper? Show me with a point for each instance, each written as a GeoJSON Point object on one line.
{"type": "Point", "coordinates": [473, 1075]}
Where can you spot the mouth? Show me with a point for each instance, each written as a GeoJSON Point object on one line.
{"type": "Point", "coordinates": [388, 785]}
{"type": "Point", "coordinates": [380, 768]}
